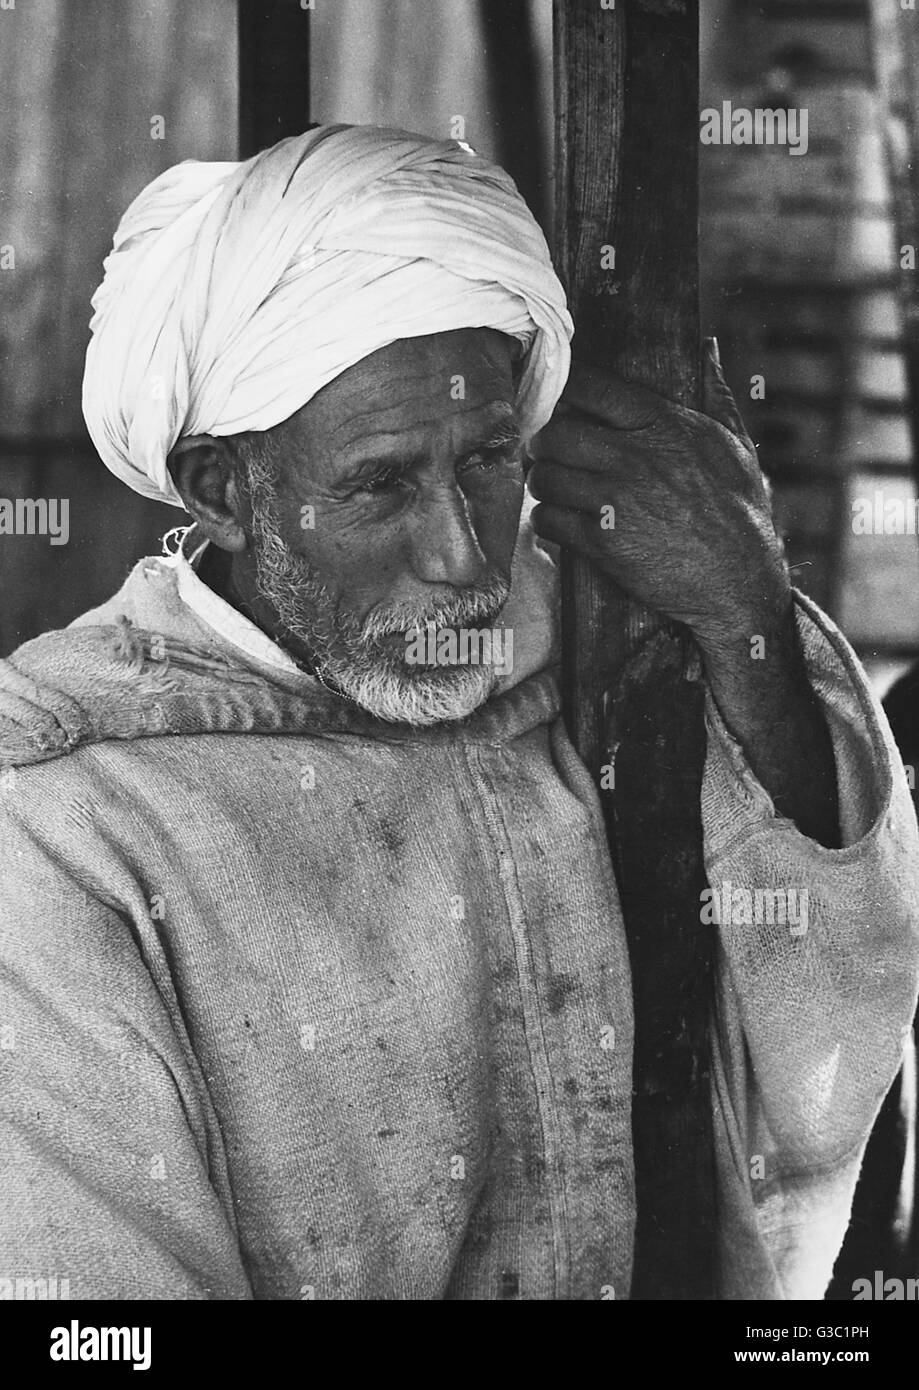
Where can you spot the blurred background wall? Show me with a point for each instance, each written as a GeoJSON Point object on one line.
{"type": "Point", "coordinates": [799, 254]}
{"type": "Point", "coordinates": [81, 83]}
{"type": "Point", "coordinates": [801, 282]}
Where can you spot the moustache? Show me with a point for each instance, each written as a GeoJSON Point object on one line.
{"type": "Point", "coordinates": [479, 608]}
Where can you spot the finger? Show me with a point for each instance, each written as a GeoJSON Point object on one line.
{"type": "Point", "coordinates": [622, 404]}
{"type": "Point", "coordinates": [568, 487]}
{"type": "Point", "coordinates": [562, 526]}
{"type": "Point", "coordinates": [575, 531]}
{"type": "Point", "coordinates": [717, 399]}
{"type": "Point", "coordinates": [583, 443]}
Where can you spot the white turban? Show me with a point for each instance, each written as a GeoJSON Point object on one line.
{"type": "Point", "coordinates": [235, 291]}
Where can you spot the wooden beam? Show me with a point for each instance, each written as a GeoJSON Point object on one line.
{"type": "Point", "coordinates": [274, 72]}
{"type": "Point", "coordinates": [627, 136]}
{"type": "Point", "coordinates": [511, 70]}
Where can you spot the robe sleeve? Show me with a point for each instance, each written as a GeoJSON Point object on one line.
{"type": "Point", "coordinates": [111, 1176]}
{"type": "Point", "coordinates": [813, 1012]}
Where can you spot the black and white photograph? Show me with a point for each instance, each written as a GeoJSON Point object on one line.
{"type": "Point", "coordinates": [459, 668]}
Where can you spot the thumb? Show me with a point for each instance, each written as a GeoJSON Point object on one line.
{"type": "Point", "coordinates": [717, 401]}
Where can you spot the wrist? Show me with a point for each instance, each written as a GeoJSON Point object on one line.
{"type": "Point", "coordinates": [758, 663]}
{"type": "Point", "coordinates": [756, 629]}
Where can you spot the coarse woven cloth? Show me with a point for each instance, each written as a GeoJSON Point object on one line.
{"type": "Point", "coordinates": [235, 291]}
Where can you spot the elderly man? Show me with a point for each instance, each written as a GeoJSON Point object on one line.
{"type": "Point", "coordinates": [314, 981]}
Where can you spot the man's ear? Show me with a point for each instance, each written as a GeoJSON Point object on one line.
{"type": "Point", "coordinates": [203, 469]}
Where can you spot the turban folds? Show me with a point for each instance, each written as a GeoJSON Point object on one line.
{"type": "Point", "coordinates": [235, 291]}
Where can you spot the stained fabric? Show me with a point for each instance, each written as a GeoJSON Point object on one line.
{"type": "Point", "coordinates": [299, 1004]}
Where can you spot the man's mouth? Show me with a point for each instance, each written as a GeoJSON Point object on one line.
{"type": "Point", "coordinates": [458, 648]}
{"type": "Point", "coordinates": [432, 649]}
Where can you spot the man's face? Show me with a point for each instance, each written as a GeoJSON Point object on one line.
{"type": "Point", "coordinates": [392, 504]}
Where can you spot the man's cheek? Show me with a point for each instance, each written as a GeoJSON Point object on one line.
{"type": "Point", "coordinates": [370, 580]}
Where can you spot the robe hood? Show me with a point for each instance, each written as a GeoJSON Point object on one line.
{"type": "Point", "coordinates": [145, 665]}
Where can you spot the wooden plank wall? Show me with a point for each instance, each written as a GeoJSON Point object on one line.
{"type": "Point", "coordinates": [800, 283]}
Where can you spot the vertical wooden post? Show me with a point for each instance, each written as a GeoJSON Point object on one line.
{"type": "Point", "coordinates": [510, 57]}
{"type": "Point", "coordinates": [627, 137]}
{"type": "Point", "coordinates": [274, 72]}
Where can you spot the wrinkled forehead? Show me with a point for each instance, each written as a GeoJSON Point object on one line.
{"type": "Point", "coordinates": [453, 385]}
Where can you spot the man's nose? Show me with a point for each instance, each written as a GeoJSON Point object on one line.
{"type": "Point", "coordinates": [445, 548]}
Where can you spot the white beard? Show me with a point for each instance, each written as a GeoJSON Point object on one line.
{"type": "Point", "coordinates": [425, 699]}
{"type": "Point", "coordinates": [349, 656]}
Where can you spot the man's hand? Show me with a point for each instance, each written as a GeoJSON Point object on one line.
{"type": "Point", "coordinates": [672, 505]}
{"type": "Point", "coordinates": [687, 528]}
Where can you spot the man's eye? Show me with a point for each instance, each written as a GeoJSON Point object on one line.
{"type": "Point", "coordinates": [487, 460]}
{"type": "Point", "coordinates": [389, 481]}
